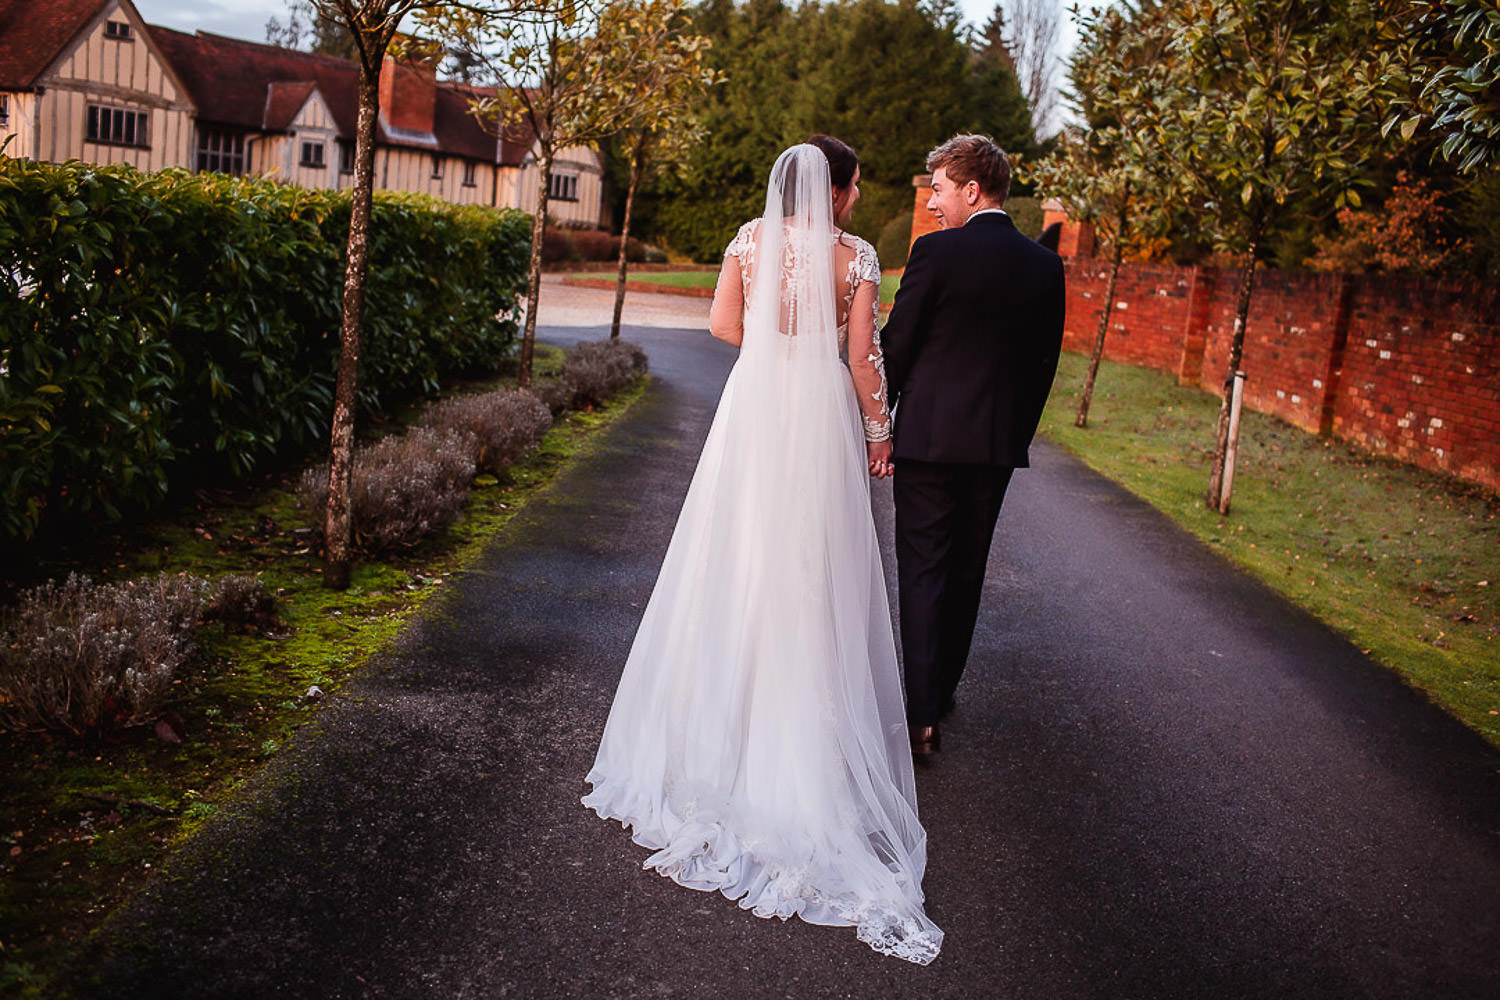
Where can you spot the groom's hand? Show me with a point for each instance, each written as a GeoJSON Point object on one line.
{"type": "Point", "coordinates": [880, 458]}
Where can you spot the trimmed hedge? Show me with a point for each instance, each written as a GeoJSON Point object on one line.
{"type": "Point", "coordinates": [162, 327]}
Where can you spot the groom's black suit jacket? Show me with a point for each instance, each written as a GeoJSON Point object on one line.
{"type": "Point", "coordinates": [971, 344]}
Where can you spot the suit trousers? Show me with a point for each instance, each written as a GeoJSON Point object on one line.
{"type": "Point", "coordinates": [945, 518]}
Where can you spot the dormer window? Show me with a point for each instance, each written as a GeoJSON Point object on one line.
{"type": "Point", "coordinates": [118, 30]}
{"type": "Point", "coordinates": [312, 155]}
{"type": "Point", "coordinates": [563, 187]}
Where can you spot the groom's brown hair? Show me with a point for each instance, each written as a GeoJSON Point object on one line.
{"type": "Point", "coordinates": [968, 158]}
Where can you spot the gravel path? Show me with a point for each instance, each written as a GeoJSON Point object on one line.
{"type": "Point", "coordinates": [1162, 781]}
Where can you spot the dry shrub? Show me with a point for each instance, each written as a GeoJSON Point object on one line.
{"type": "Point", "coordinates": [504, 425]}
{"type": "Point", "coordinates": [596, 370]}
{"type": "Point", "coordinates": [242, 603]}
{"type": "Point", "coordinates": [88, 658]}
{"type": "Point", "coordinates": [555, 393]}
{"type": "Point", "coordinates": [404, 487]}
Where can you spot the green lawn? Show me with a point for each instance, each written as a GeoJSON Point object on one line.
{"type": "Point", "coordinates": [677, 279]}
{"type": "Point", "coordinates": [1405, 563]}
{"type": "Point", "coordinates": [707, 279]}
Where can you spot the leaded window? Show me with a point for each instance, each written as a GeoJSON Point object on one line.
{"type": "Point", "coordinates": [117, 126]}
{"type": "Point", "coordinates": [563, 187]}
{"type": "Point", "coordinates": [220, 151]}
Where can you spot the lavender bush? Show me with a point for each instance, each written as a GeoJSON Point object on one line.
{"type": "Point", "coordinates": [86, 658]}
{"type": "Point", "coordinates": [404, 487]}
{"type": "Point", "coordinates": [504, 425]}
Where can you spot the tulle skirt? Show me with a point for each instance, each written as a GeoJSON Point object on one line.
{"type": "Point", "coordinates": [757, 742]}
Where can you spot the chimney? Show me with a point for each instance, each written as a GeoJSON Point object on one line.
{"type": "Point", "coordinates": [408, 95]}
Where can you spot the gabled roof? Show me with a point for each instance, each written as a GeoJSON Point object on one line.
{"type": "Point", "coordinates": [33, 34]}
{"type": "Point", "coordinates": [230, 80]}
{"type": "Point", "coordinates": [283, 101]}
{"type": "Point", "coordinates": [253, 86]}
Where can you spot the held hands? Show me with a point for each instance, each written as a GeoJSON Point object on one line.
{"type": "Point", "coordinates": [880, 458]}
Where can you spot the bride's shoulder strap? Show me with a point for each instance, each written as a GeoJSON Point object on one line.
{"type": "Point", "coordinates": [743, 240]}
{"type": "Point", "coordinates": [866, 261]}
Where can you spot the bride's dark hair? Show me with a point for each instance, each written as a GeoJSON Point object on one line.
{"type": "Point", "coordinates": [842, 160]}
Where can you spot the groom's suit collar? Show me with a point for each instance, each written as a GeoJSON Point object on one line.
{"type": "Point", "coordinates": [989, 216]}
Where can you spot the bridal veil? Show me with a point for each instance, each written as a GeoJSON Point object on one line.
{"type": "Point", "coordinates": [757, 742]}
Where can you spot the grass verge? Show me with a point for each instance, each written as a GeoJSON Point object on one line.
{"type": "Point", "coordinates": [706, 279]}
{"type": "Point", "coordinates": [82, 824]}
{"type": "Point", "coordinates": [1405, 563]}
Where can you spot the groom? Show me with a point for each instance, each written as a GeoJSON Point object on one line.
{"type": "Point", "coordinates": [970, 350]}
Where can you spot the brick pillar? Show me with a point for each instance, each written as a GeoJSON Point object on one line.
{"type": "Point", "coordinates": [1077, 237]}
{"type": "Point", "coordinates": [922, 221]}
{"type": "Point", "coordinates": [1335, 370]}
{"type": "Point", "coordinates": [1195, 329]}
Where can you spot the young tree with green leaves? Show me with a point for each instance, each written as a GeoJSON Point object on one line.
{"type": "Point", "coordinates": [1271, 110]}
{"type": "Point", "coordinates": [1452, 53]}
{"type": "Point", "coordinates": [555, 77]}
{"type": "Point", "coordinates": [663, 125]}
{"type": "Point", "coordinates": [371, 26]}
{"type": "Point", "coordinates": [1107, 171]}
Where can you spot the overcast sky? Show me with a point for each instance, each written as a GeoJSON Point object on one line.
{"type": "Point", "coordinates": [247, 18]}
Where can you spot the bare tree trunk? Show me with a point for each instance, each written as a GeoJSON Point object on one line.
{"type": "Point", "coordinates": [637, 161]}
{"type": "Point", "coordinates": [337, 529]}
{"type": "Point", "coordinates": [1032, 44]}
{"type": "Point", "coordinates": [534, 275]}
{"type": "Point", "coordinates": [1097, 354]}
{"type": "Point", "coordinates": [1218, 497]}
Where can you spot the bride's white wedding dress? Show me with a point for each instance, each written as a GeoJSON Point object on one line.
{"type": "Point", "coordinates": [758, 739]}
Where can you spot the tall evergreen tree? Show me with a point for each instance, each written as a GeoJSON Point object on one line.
{"type": "Point", "coordinates": [888, 78]}
{"type": "Point", "coordinates": [997, 107]}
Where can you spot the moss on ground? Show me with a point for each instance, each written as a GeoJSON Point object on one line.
{"type": "Point", "coordinates": [82, 824]}
{"type": "Point", "coordinates": [1406, 563]}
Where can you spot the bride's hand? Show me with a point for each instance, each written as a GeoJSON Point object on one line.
{"type": "Point", "coordinates": [880, 458]}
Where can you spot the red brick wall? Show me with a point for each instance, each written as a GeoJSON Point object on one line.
{"type": "Point", "coordinates": [1421, 376]}
{"type": "Point", "coordinates": [1399, 367]}
{"type": "Point", "coordinates": [1150, 303]}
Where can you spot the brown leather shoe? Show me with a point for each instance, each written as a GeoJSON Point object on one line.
{"type": "Point", "coordinates": [925, 741]}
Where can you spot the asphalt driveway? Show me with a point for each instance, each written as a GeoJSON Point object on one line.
{"type": "Point", "coordinates": [1162, 781]}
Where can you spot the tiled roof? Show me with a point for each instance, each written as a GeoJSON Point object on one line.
{"type": "Point", "coordinates": [230, 80]}
{"type": "Point", "coordinates": [254, 86]}
{"type": "Point", "coordinates": [283, 101]}
{"type": "Point", "coordinates": [32, 34]}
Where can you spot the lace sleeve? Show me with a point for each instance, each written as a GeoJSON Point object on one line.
{"type": "Point", "coordinates": [866, 363]}
{"type": "Point", "coordinates": [726, 318]}
{"type": "Point", "coordinates": [742, 248]}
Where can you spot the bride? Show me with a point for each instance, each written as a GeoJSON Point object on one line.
{"type": "Point", "coordinates": [758, 738]}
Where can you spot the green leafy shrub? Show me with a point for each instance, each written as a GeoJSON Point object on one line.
{"type": "Point", "coordinates": [89, 658]}
{"type": "Point", "coordinates": [595, 370]}
{"type": "Point", "coordinates": [1027, 214]}
{"type": "Point", "coordinates": [557, 245]}
{"type": "Point", "coordinates": [504, 425]}
{"type": "Point", "coordinates": [163, 327]}
{"type": "Point", "coordinates": [404, 487]}
{"type": "Point", "coordinates": [894, 242]}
